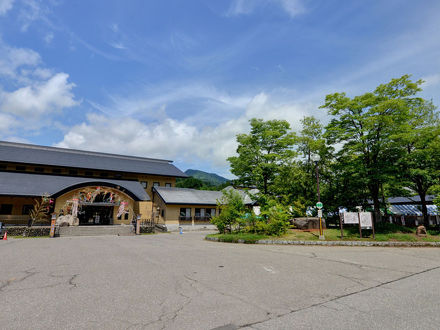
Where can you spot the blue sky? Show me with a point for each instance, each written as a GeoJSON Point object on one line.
{"type": "Point", "coordinates": [179, 79]}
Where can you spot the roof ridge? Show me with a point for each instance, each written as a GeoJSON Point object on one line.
{"type": "Point", "coordinates": [77, 151]}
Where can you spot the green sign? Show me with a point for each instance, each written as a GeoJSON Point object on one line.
{"type": "Point", "coordinates": [319, 205]}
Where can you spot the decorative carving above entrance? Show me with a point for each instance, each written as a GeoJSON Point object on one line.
{"type": "Point", "coordinates": [96, 197]}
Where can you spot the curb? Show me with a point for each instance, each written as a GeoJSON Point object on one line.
{"type": "Point", "coordinates": [333, 243]}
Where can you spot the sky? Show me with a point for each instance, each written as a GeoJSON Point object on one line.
{"type": "Point", "coordinates": [179, 79]}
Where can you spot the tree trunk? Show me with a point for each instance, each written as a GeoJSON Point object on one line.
{"type": "Point", "coordinates": [424, 209]}
{"type": "Point", "coordinates": [374, 190]}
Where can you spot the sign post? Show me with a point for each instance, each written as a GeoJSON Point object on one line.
{"type": "Point", "coordinates": [319, 205]}
{"type": "Point", "coordinates": [52, 225]}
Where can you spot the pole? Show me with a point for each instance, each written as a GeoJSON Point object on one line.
{"type": "Point", "coordinates": [372, 226]}
{"type": "Point", "coordinates": [341, 215]}
{"type": "Point", "coordinates": [360, 228]}
{"type": "Point", "coordinates": [321, 235]}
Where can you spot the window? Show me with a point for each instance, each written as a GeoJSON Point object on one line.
{"type": "Point", "coordinates": [56, 170]}
{"type": "Point", "coordinates": [199, 214]}
{"type": "Point", "coordinates": [88, 173]}
{"type": "Point", "coordinates": [210, 213]}
{"type": "Point", "coordinates": [20, 168]}
{"type": "Point", "coordinates": [168, 185]}
{"type": "Point", "coordinates": [27, 209]}
{"type": "Point", "coordinates": [162, 213]}
{"type": "Point", "coordinates": [144, 184]}
{"type": "Point", "coordinates": [73, 172]}
{"type": "Point", "coordinates": [39, 169]}
{"type": "Point", "coordinates": [126, 216]}
{"type": "Point", "coordinates": [156, 184]}
{"type": "Point", "coordinates": [6, 209]}
{"type": "Point", "coordinates": [3, 167]}
{"type": "Point", "coordinates": [103, 175]}
{"type": "Point", "coordinates": [118, 176]}
{"type": "Point", "coordinates": [185, 214]}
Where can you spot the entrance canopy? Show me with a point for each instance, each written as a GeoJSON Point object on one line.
{"type": "Point", "coordinates": [24, 184]}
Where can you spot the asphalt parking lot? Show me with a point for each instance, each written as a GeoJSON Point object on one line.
{"type": "Point", "coordinates": [172, 281]}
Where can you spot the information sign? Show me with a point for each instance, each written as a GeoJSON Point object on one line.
{"type": "Point", "coordinates": [351, 218]}
{"type": "Point", "coordinates": [319, 205]}
{"type": "Point", "coordinates": [366, 219]}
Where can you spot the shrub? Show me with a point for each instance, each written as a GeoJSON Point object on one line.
{"type": "Point", "coordinates": [231, 215]}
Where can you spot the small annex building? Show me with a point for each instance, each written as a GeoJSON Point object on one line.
{"type": "Point", "coordinates": [185, 207]}
{"type": "Point", "coordinates": [95, 188]}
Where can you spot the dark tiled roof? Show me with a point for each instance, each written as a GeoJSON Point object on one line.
{"type": "Point", "coordinates": [41, 155]}
{"type": "Point", "coordinates": [175, 195]}
{"type": "Point", "coordinates": [26, 184]}
{"type": "Point", "coordinates": [406, 200]}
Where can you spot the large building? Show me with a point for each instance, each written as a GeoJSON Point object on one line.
{"type": "Point", "coordinates": [97, 188]}
{"type": "Point", "coordinates": [92, 188]}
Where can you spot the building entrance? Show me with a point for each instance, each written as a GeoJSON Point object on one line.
{"type": "Point", "coordinates": [95, 215]}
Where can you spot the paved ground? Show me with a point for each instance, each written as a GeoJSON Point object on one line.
{"type": "Point", "coordinates": [172, 281]}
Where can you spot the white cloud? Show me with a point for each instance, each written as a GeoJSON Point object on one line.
{"type": "Point", "coordinates": [189, 141]}
{"type": "Point", "coordinates": [5, 6]}
{"type": "Point", "coordinates": [29, 92]}
{"type": "Point", "coordinates": [50, 96]}
{"type": "Point", "coordinates": [48, 37]}
{"type": "Point", "coordinates": [12, 58]}
{"type": "Point", "coordinates": [246, 7]}
{"type": "Point", "coordinates": [431, 80]}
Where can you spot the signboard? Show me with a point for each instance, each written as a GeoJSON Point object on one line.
{"type": "Point", "coordinates": [319, 205]}
{"type": "Point", "coordinates": [319, 213]}
{"type": "Point", "coordinates": [366, 219]}
{"type": "Point", "coordinates": [351, 218]}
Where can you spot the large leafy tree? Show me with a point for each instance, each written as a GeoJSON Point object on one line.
{"type": "Point", "coordinates": [263, 153]}
{"type": "Point", "coordinates": [366, 127]}
{"type": "Point", "coordinates": [419, 139]}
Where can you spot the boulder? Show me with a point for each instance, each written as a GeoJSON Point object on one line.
{"type": "Point", "coordinates": [307, 223]}
{"type": "Point", "coordinates": [67, 220]}
{"type": "Point", "coordinates": [421, 231]}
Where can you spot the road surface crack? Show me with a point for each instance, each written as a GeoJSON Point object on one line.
{"type": "Point", "coordinates": [342, 296]}
{"type": "Point", "coordinates": [28, 273]}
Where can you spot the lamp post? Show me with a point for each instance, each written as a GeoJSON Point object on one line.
{"type": "Point", "coordinates": [316, 158]}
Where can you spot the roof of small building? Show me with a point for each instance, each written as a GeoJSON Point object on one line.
{"type": "Point", "coordinates": [406, 200]}
{"type": "Point", "coordinates": [42, 155]}
{"type": "Point", "coordinates": [173, 195]}
{"type": "Point", "coordinates": [27, 184]}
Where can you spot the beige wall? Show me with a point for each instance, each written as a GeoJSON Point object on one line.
{"type": "Point", "coordinates": [16, 216]}
{"type": "Point", "coordinates": [172, 212]}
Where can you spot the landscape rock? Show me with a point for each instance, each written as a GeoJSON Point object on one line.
{"type": "Point", "coordinates": [307, 223]}
{"type": "Point", "coordinates": [67, 220]}
{"type": "Point", "coordinates": [421, 231]}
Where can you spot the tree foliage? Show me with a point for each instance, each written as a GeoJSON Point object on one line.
{"type": "Point", "coordinates": [263, 153]}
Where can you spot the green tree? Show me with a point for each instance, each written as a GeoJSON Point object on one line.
{"type": "Point", "coordinates": [231, 212]}
{"type": "Point", "coordinates": [420, 142]}
{"type": "Point", "coordinates": [263, 153]}
{"type": "Point", "coordinates": [366, 127]}
{"type": "Point", "coordinates": [190, 183]}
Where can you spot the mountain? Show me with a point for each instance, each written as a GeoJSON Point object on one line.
{"type": "Point", "coordinates": [211, 178]}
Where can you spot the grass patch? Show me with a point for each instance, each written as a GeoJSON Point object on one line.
{"type": "Point", "coordinates": [241, 237]}
{"type": "Point", "coordinates": [407, 235]}
{"type": "Point", "coordinates": [385, 232]}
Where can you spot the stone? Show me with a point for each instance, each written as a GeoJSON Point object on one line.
{"type": "Point", "coordinates": [307, 223]}
{"type": "Point", "coordinates": [67, 220]}
{"type": "Point", "coordinates": [421, 231]}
